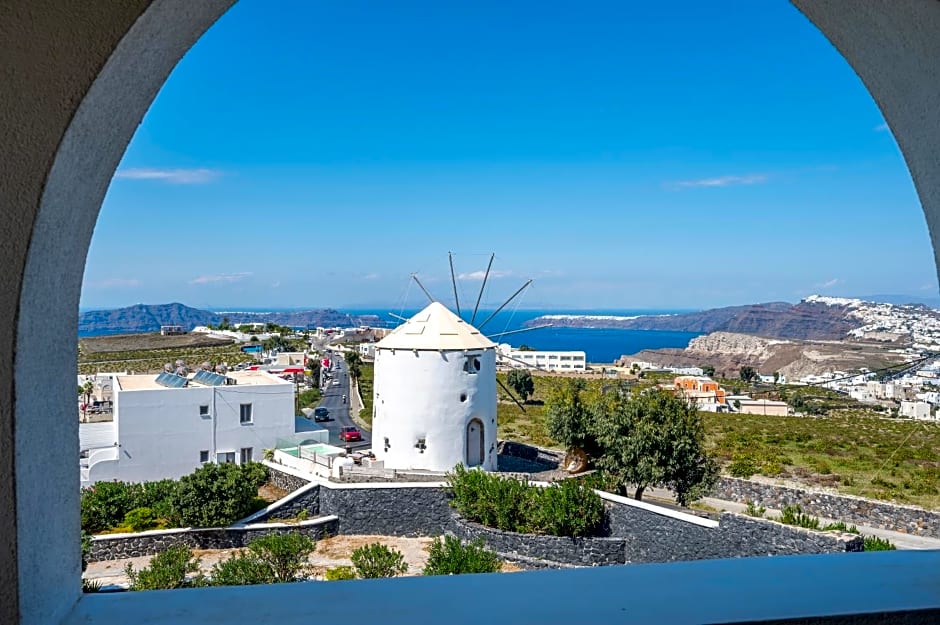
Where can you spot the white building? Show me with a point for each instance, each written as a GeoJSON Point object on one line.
{"type": "Point", "coordinates": [367, 350]}
{"type": "Point", "coordinates": [434, 400]}
{"type": "Point", "coordinates": [507, 356]}
{"type": "Point", "coordinates": [915, 409]}
{"type": "Point", "coordinates": [159, 431]}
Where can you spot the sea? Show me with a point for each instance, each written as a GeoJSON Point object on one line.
{"type": "Point", "coordinates": [600, 345]}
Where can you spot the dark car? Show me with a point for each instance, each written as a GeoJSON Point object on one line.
{"type": "Point", "coordinates": [349, 434]}
{"type": "Point", "coordinates": [321, 414]}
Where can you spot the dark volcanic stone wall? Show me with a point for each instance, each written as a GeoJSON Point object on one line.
{"type": "Point", "coordinates": [406, 511]}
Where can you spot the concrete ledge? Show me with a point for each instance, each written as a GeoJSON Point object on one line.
{"type": "Point", "coordinates": [666, 512]}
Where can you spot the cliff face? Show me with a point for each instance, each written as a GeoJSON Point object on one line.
{"type": "Point", "coordinates": [149, 318]}
{"type": "Point", "coordinates": [806, 321]}
{"type": "Point", "coordinates": [728, 352]}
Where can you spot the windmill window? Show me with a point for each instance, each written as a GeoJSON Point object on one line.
{"type": "Point", "coordinates": [472, 365]}
{"type": "Point", "coordinates": [463, 397]}
{"type": "Point", "coordinates": [421, 445]}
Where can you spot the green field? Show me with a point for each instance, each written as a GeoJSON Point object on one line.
{"type": "Point", "coordinates": [152, 360]}
{"type": "Point", "coordinates": [366, 376]}
{"type": "Point", "coordinates": [855, 451]}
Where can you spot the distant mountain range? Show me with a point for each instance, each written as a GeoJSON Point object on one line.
{"type": "Point", "coordinates": [805, 320]}
{"type": "Point", "coordinates": [149, 318]}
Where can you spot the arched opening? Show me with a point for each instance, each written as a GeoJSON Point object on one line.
{"type": "Point", "coordinates": [475, 438]}
{"type": "Point", "coordinates": [70, 119]}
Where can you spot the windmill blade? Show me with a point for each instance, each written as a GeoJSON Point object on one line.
{"type": "Point", "coordinates": [399, 317]}
{"type": "Point", "coordinates": [511, 396]}
{"type": "Point", "coordinates": [482, 286]}
{"type": "Point", "coordinates": [453, 280]}
{"type": "Point", "coordinates": [418, 282]}
{"type": "Point", "coordinates": [541, 327]}
{"type": "Point", "coordinates": [511, 297]}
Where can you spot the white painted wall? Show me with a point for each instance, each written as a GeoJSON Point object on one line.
{"type": "Point", "coordinates": [547, 360]}
{"type": "Point", "coordinates": [417, 395]}
{"type": "Point", "coordinates": [161, 433]}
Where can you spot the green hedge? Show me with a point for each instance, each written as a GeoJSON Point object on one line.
{"type": "Point", "coordinates": [561, 509]}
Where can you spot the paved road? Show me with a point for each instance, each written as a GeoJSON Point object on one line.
{"type": "Point", "coordinates": [339, 410]}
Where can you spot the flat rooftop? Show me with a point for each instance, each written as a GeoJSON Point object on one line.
{"type": "Point", "coordinates": [243, 378]}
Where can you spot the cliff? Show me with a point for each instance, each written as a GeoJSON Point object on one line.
{"type": "Point", "coordinates": [803, 321]}
{"type": "Point", "coordinates": [149, 318]}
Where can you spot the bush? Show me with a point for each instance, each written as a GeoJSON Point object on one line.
{"type": "Point", "coordinates": [754, 510]}
{"type": "Point", "coordinates": [284, 554]}
{"type": "Point", "coordinates": [794, 515]}
{"type": "Point", "coordinates": [841, 527]}
{"type": "Point", "coordinates": [449, 556]}
{"type": "Point", "coordinates": [158, 496]}
{"type": "Point", "coordinates": [241, 570]}
{"type": "Point", "coordinates": [216, 495]}
{"type": "Point", "coordinates": [140, 519]}
{"type": "Point", "coordinates": [340, 573]}
{"type": "Point", "coordinates": [256, 473]}
{"type": "Point", "coordinates": [376, 560]}
{"type": "Point", "coordinates": [513, 505]}
{"type": "Point", "coordinates": [874, 543]}
{"type": "Point", "coordinates": [564, 509]}
{"type": "Point", "coordinates": [742, 466]}
{"type": "Point", "coordinates": [166, 571]}
{"type": "Point", "coordinates": [104, 505]}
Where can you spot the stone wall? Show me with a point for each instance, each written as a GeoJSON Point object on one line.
{"type": "Point", "coordinates": [548, 551]}
{"type": "Point", "coordinates": [282, 479]}
{"type": "Point", "coordinates": [852, 510]}
{"type": "Point", "coordinates": [117, 546]}
{"type": "Point", "coordinates": [390, 511]}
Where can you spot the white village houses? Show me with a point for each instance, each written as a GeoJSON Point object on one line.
{"type": "Point", "coordinates": [166, 426]}
{"type": "Point", "coordinates": [435, 394]}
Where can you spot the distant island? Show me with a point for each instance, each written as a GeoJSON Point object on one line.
{"type": "Point", "coordinates": [816, 318]}
{"type": "Point", "coordinates": [149, 318]}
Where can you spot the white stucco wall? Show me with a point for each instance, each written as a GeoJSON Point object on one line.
{"type": "Point", "coordinates": [161, 433]}
{"type": "Point", "coordinates": [417, 395]}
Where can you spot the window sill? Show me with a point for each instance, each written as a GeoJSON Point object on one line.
{"type": "Point", "coordinates": [905, 584]}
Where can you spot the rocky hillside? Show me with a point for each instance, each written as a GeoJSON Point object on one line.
{"type": "Point", "coordinates": [806, 320]}
{"type": "Point", "coordinates": [728, 352]}
{"type": "Point", "coordinates": [149, 318]}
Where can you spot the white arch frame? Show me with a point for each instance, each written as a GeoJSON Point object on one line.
{"type": "Point", "coordinates": [894, 46]}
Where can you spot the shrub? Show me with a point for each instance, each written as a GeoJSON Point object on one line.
{"type": "Point", "coordinates": [449, 556]}
{"type": "Point", "coordinates": [841, 527]}
{"type": "Point", "coordinates": [340, 573]}
{"type": "Point", "coordinates": [241, 570]}
{"type": "Point", "coordinates": [513, 505]}
{"type": "Point", "coordinates": [166, 571]}
{"type": "Point", "coordinates": [754, 510]}
{"type": "Point", "coordinates": [255, 472]}
{"type": "Point", "coordinates": [91, 585]}
{"type": "Point", "coordinates": [215, 495]}
{"type": "Point", "coordinates": [140, 519]}
{"type": "Point", "coordinates": [104, 505]}
{"type": "Point", "coordinates": [742, 466]}
{"type": "Point", "coordinates": [874, 543]}
{"type": "Point", "coordinates": [564, 509]}
{"type": "Point", "coordinates": [158, 496]}
{"type": "Point", "coordinates": [284, 554]}
{"type": "Point", "coordinates": [794, 515]}
{"type": "Point", "coordinates": [376, 560]}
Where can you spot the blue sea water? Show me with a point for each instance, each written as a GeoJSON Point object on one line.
{"type": "Point", "coordinates": [601, 345]}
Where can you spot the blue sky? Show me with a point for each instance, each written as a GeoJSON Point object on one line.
{"type": "Point", "coordinates": [311, 153]}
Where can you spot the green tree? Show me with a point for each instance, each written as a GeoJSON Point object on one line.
{"type": "Point", "coordinates": [241, 570]}
{"type": "Point", "coordinates": [520, 380]}
{"type": "Point", "coordinates": [653, 438]}
{"type": "Point", "coordinates": [708, 370]}
{"type": "Point", "coordinates": [103, 505]}
{"type": "Point", "coordinates": [376, 560]}
{"type": "Point", "coordinates": [568, 417]}
{"type": "Point", "coordinates": [449, 556]}
{"type": "Point", "coordinates": [525, 348]}
{"type": "Point", "coordinates": [747, 374]}
{"type": "Point", "coordinates": [216, 494]}
{"type": "Point", "coordinates": [168, 570]}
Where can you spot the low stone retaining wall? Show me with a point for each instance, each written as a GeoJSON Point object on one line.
{"type": "Point", "coordinates": [285, 480]}
{"type": "Point", "coordinates": [551, 551]}
{"type": "Point", "coordinates": [857, 510]}
{"type": "Point", "coordinates": [117, 546]}
{"type": "Point", "coordinates": [388, 509]}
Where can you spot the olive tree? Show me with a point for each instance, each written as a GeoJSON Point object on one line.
{"type": "Point", "coordinates": [521, 382]}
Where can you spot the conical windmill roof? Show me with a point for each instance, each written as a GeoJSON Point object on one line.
{"type": "Point", "coordinates": [435, 328]}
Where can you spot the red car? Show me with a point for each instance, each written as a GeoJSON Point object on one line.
{"type": "Point", "coordinates": [349, 434]}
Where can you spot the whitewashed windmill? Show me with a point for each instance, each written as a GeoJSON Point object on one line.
{"type": "Point", "coordinates": [434, 403]}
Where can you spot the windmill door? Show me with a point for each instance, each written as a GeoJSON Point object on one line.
{"type": "Point", "coordinates": [474, 443]}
